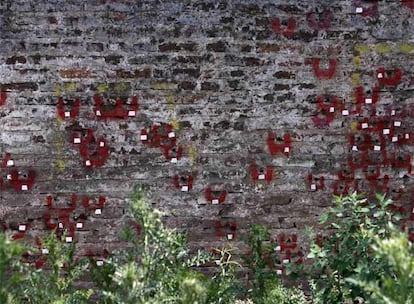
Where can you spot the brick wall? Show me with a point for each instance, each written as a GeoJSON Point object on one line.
{"type": "Point", "coordinates": [226, 112]}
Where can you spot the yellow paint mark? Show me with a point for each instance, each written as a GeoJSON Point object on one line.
{"type": "Point", "coordinates": [58, 90]}
{"type": "Point", "coordinates": [406, 48]}
{"type": "Point", "coordinates": [354, 126]}
{"type": "Point", "coordinates": [171, 102]}
{"type": "Point", "coordinates": [357, 60]}
{"type": "Point", "coordinates": [383, 48]}
{"type": "Point", "coordinates": [175, 124]}
{"type": "Point", "coordinates": [362, 48]}
{"type": "Point", "coordinates": [70, 86]}
{"type": "Point", "coordinates": [192, 153]}
{"type": "Point", "coordinates": [60, 164]}
{"type": "Point", "coordinates": [102, 88]}
{"type": "Point", "coordinates": [121, 87]}
{"type": "Point", "coordinates": [163, 86]}
{"type": "Point", "coordinates": [355, 79]}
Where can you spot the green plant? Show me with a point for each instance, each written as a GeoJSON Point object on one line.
{"type": "Point", "coordinates": [11, 269]}
{"type": "Point", "coordinates": [345, 251]}
{"type": "Point", "coordinates": [54, 283]}
{"type": "Point", "coordinates": [395, 284]}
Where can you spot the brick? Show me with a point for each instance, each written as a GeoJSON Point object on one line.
{"type": "Point", "coordinates": [16, 59]}
{"type": "Point", "coordinates": [195, 73]}
{"type": "Point", "coordinates": [209, 86]}
{"type": "Point", "coordinates": [113, 59]}
{"type": "Point", "coordinates": [268, 47]}
{"type": "Point", "coordinates": [75, 73]}
{"type": "Point", "coordinates": [143, 73]}
{"type": "Point", "coordinates": [219, 46]}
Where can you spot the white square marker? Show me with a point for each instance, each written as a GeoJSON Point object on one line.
{"type": "Point", "coordinates": [76, 140]}
{"type": "Point", "coordinates": [9, 176]}
{"type": "Point", "coordinates": [394, 138]}
{"type": "Point", "coordinates": [392, 112]}
{"type": "Point", "coordinates": [407, 136]}
{"type": "Point", "coordinates": [261, 176]}
{"type": "Point", "coordinates": [99, 263]}
{"type": "Point", "coordinates": [397, 123]}
{"type": "Point", "coordinates": [98, 113]}
{"type": "Point", "coordinates": [279, 272]}
{"type": "Point", "coordinates": [345, 112]}
{"type": "Point", "coordinates": [286, 261]}
{"type": "Point", "coordinates": [69, 239]}
{"type": "Point", "coordinates": [171, 135]}
{"type": "Point", "coordinates": [131, 113]}
{"type": "Point", "coordinates": [217, 262]}
{"type": "Point", "coordinates": [331, 109]}
{"type": "Point", "coordinates": [286, 150]}
{"type": "Point", "coordinates": [174, 160]}
{"type": "Point", "coordinates": [313, 187]}
{"type": "Point", "coordinates": [60, 225]}
{"type": "Point", "coordinates": [45, 251]}
{"type": "Point", "coordinates": [25, 188]}
{"type": "Point", "coordinates": [98, 211]}
{"type": "Point", "coordinates": [79, 225]}
{"type": "Point", "coordinates": [368, 100]}
{"type": "Point", "coordinates": [144, 137]}
{"type": "Point", "coordinates": [364, 125]}
{"type": "Point", "coordinates": [377, 148]}
{"type": "Point", "coordinates": [22, 228]}
{"type": "Point", "coordinates": [359, 10]}
{"type": "Point", "coordinates": [10, 163]}
{"type": "Point", "coordinates": [354, 148]}
{"type": "Point", "coordinates": [101, 144]}
{"type": "Point", "coordinates": [380, 75]}
{"type": "Point", "coordinates": [413, 210]}
{"type": "Point", "coordinates": [386, 131]}
{"type": "Point", "coordinates": [184, 189]}
{"type": "Point", "coordinates": [278, 248]}
{"type": "Point", "coordinates": [229, 236]}
{"type": "Point", "coordinates": [67, 114]}
{"type": "Point", "coordinates": [215, 201]}
{"type": "Point", "coordinates": [88, 163]}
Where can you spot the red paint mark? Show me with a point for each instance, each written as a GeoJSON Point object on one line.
{"type": "Point", "coordinates": [400, 161]}
{"type": "Point", "coordinates": [328, 107]}
{"type": "Point", "coordinates": [68, 114]}
{"type": "Point", "coordinates": [388, 77]}
{"type": "Point", "coordinates": [363, 98]}
{"type": "Point", "coordinates": [94, 152]}
{"type": "Point", "coordinates": [159, 136]}
{"type": "Point", "coordinates": [367, 11]}
{"type": "Point", "coordinates": [408, 3]}
{"type": "Point", "coordinates": [3, 98]}
{"type": "Point", "coordinates": [118, 111]}
{"type": "Point", "coordinates": [227, 228]}
{"type": "Point", "coordinates": [88, 205]}
{"type": "Point", "coordinates": [215, 197]}
{"type": "Point", "coordinates": [360, 161]}
{"type": "Point", "coordinates": [6, 160]}
{"type": "Point", "coordinates": [173, 154]}
{"type": "Point", "coordinates": [284, 146]}
{"type": "Point", "coordinates": [20, 183]}
{"type": "Point", "coordinates": [315, 183]}
{"type": "Point", "coordinates": [184, 183]}
{"type": "Point", "coordinates": [343, 187]}
{"type": "Point", "coordinates": [324, 20]}
{"type": "Point", "coordinates": [287, 30]}
{"type": "Point", "coordinates": [324, 73]}
{"type": "Point", "coordinates": [258, 174]}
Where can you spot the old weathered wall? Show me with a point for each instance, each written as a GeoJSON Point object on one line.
{"type": "Point", "coordinates": [272, 106]}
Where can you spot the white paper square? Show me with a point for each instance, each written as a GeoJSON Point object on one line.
{"type": "Point", "coordinates": [364, 125]}
{"type": "Point", "coordinates": [359, 10]}
{"type": "Point", "coordinates": [392, 112]}
{"type": "Point", "coordinates": [377, 148]}
{"type": "Point", "coordinates": [345, 112]}
{"type": "Point", "coordinates": [184, 188]}
{"type": "Point", "coordinates": [10, 163]}
{"type": "Point", "coordinates": [217, 262]}
{"type": "Point", "coordinates": [229, 236]}
{"type": "Point", "coordinates": [331, 109]}
{"type": "Point", "coordinates": [394, 139]}
{"type": "Point", "coordinates": [354, 148]}
{"type": "Point", "coordinates": [98, 211]}
{"type": "Point", "coordinates": [98, 113]}
{"type": "Point", "coordinates": [88, 163]}
{"type": "Point", "coordinates": [368, 100]}
{"type": "Point", "coordinates": [286, 150]}
{"type": "Point", "coordinates": [413, 210]}
{"type": "Point", "coordinates": [386, 131]}
{"type": "Point", "coordinates": [278, 248]}
{"type": "Point", "coordinates": [215, 201]}
{"type": "Point", "coordinates": [407, 136]}
{"type": "Point", "coordinates": [286, 261]}
{"type": "Point", "coordinates": [25, 188]}
{"type": "Point", "coordinates": [380, 75]}
{"type": "Point", "coordinates": [313, 187]}
{"type": "Point", "coordinates": [171, 135]}
{"type": "Point", "coordinates": [261, 176]}
{"type": "Point", "coordinates": [76, 140]}
{"type": "Point", "coordinates": [101, 144]}
{"type": "Point", "coordinates": [67, 114]}
{"type": "Point", "coordinates": [144, 137]}
{"type": "Point", "coordinates": [79, 225]}
{"type": "Point", "coordinates": [397, 123]}
{"type": "Point", "coordinates": [174, 160]}
{"type": "Point", "coordinates": [279, 272]}
{"type": "Point", "coordinates": [99, 263]}
{"type": "Point", "coordinates": [131, 113]}
{"type": "Point", "coordinates": [45, 251]}
{"type": "Point", "coordinates": [22, 228]}
{"type": "Point", "coordinates": [8, 176]}
{"type": "Point", "coordinates": [69, 239]}
{"type": "Point", "coordinates": [60, 225]}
